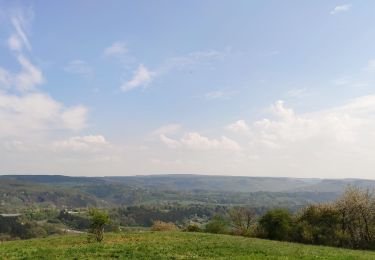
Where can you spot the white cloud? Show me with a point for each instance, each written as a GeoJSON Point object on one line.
{"type": "Point", "coordinates": [37, 112]}
{"type": "Point", "coordinates": [239, 126]}
{"type": "Point", "coordinates": [117, 48]}
{"type": "Point", "coordinates": [340, 9]}
{"type": "Point", "coordinates": [74, 118]}
{"type": "Point", "coordinates": [141, 77]}
{"type": "Point", "coordinates": [336, 142]}
{"type": "Point", "coordinates": [195, 141]}
{"type": "Point", "coordinates": [79, 67]}
{"type": "Point", "coordinates": [171, 143]}
{"type": "Point", "coordinates": [29, 77]}
{"type": "Point", "coordinates": [88, 143]}
{"type": "Point", "coordinates": [168, 129]}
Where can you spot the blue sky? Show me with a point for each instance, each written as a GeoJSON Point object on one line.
{"type": "Point", "coordinates": [258, 88]}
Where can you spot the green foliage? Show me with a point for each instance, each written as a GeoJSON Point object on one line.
{"type": "Point", "coordinates": [319, 224]}
{"type": "Point", "coordinates": [98, 219]}
{"type": "Point", "coordinates": [277, 224]}
{"type": "Point", "coordinates": [217, 225]}
{"type": "Point", "coordinates": [74, 221]}
{"type": "Point", "coordinates": [347, 222]}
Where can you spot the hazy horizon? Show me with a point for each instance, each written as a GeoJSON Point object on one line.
{"type": "Point", "coordinates": [244, 88]}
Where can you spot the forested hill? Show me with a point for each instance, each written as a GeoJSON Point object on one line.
{"type": "Point", "coordinates": [20, 191]}
{"type": "Point", "coordinates": [203, 182]}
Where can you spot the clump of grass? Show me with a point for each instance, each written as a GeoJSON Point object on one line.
{"type": "Point", "coordinates": [163, 226]}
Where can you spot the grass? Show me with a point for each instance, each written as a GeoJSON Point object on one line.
{"type": "Point", "coordinates": [170, 245]}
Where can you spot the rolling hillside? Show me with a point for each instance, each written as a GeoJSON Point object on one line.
{"type": "Point", "coordinates": [23, 191]}
{"type": "Point", "coordinates": [170, 245]}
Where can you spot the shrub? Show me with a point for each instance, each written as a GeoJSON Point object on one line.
{"type": "Point", "coordinates": [319, 224]}
{"type": "Point", "coordinates": [163, 226]}
{"type": "Point", "coordinates": [192, 228]}
{"type": "Point", "coordinates": [217, 225]}
{"type": "Point", "coordinates": [277, 224]}
{"type": "Point", "coordinates": [54, 221]}
{"type": "Point", "coordinates": [98, 219]}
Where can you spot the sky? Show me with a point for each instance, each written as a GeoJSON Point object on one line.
{"type": "Point", "coordinates": [250, 88]}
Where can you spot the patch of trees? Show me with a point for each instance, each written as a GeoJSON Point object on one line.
{"type": "Point", "coordinates": [178, 214]}
{"type": "Point", "coordinates": [74, 221]}
{"type": "Point", "coordinates": [21, 228]}
{"type": "Point", "coordinates": [347, 222]}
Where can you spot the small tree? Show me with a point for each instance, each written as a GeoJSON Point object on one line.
{"type": "Point", "coordinates": [98, 219]}
{"type": "Point", "coordinates": [277, 224]}
{"type": "Point", "coordinates": [242, 218]}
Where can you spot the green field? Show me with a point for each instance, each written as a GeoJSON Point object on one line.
{"type": "Point", "coordinates": [170, 245]}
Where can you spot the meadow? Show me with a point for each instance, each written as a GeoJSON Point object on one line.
{"type": "Point", "coordinates": [170, 245]}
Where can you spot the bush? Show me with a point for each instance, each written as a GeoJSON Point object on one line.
{"type": "Point", "coordinates": [277, 224]}
{"type": "Point", "coordinates": [34, 232]}
{"type": "Point", "coordinates": [6, 237]}
{"type": "Point", "coordinates": [319, 224]}
{"type": "Point", "coordinates": [54, 221]}
{"type": "Point", "coordinates": [163, 226]}
{"type": "Point", "coordinates": [98, 219]}
{"type": "Point", "coordinates": [192, 228]}
{"type": "Point", "coordinates": [217, 225]}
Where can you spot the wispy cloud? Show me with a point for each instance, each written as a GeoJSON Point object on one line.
{"type": "Point", "coordinates": [27, 79]}
{"type": "Point", "coordinates": [215, 95]}
{"type": "Point", "coordinates": [340, 9]}
{"type": "Point", "coordinates": [79, 67]}
{"type": "Point", "coordinates": [298, 93]}
{"type": "Point", "coordinates": [190, 60]}
{"type": "Point", "coordinates": [168, 129]}
{"type": "Point", "coordinates": [196, 141]}
{"type": "Point", "coordinates": [141, 78]}
{"type": "Point", "coordinates": [117, 48]}
{"type": "Point", "coordinates": [88, 143]}
{"type": "Point", "coordinates": [219, 95]}
{"type": "Point", "coordinates": [19, 38]}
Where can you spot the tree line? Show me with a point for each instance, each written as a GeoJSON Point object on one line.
{"type": "Point", "coordinates": [347, 222]}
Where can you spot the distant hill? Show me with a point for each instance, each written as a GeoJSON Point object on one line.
{"type": "Point", "coordinates": [68, 192]}
{"type": "Point", "coordinates": [15, 195]}
{"type": "Point", "coordinates": [186, 182]}
{"type": "Point", "coordinates": [215, 183]}
{"type": "Point", "coordinates": [53, 179]}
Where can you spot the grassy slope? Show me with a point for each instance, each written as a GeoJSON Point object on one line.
{"type": "Point", "coordinates": [166, 245]}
